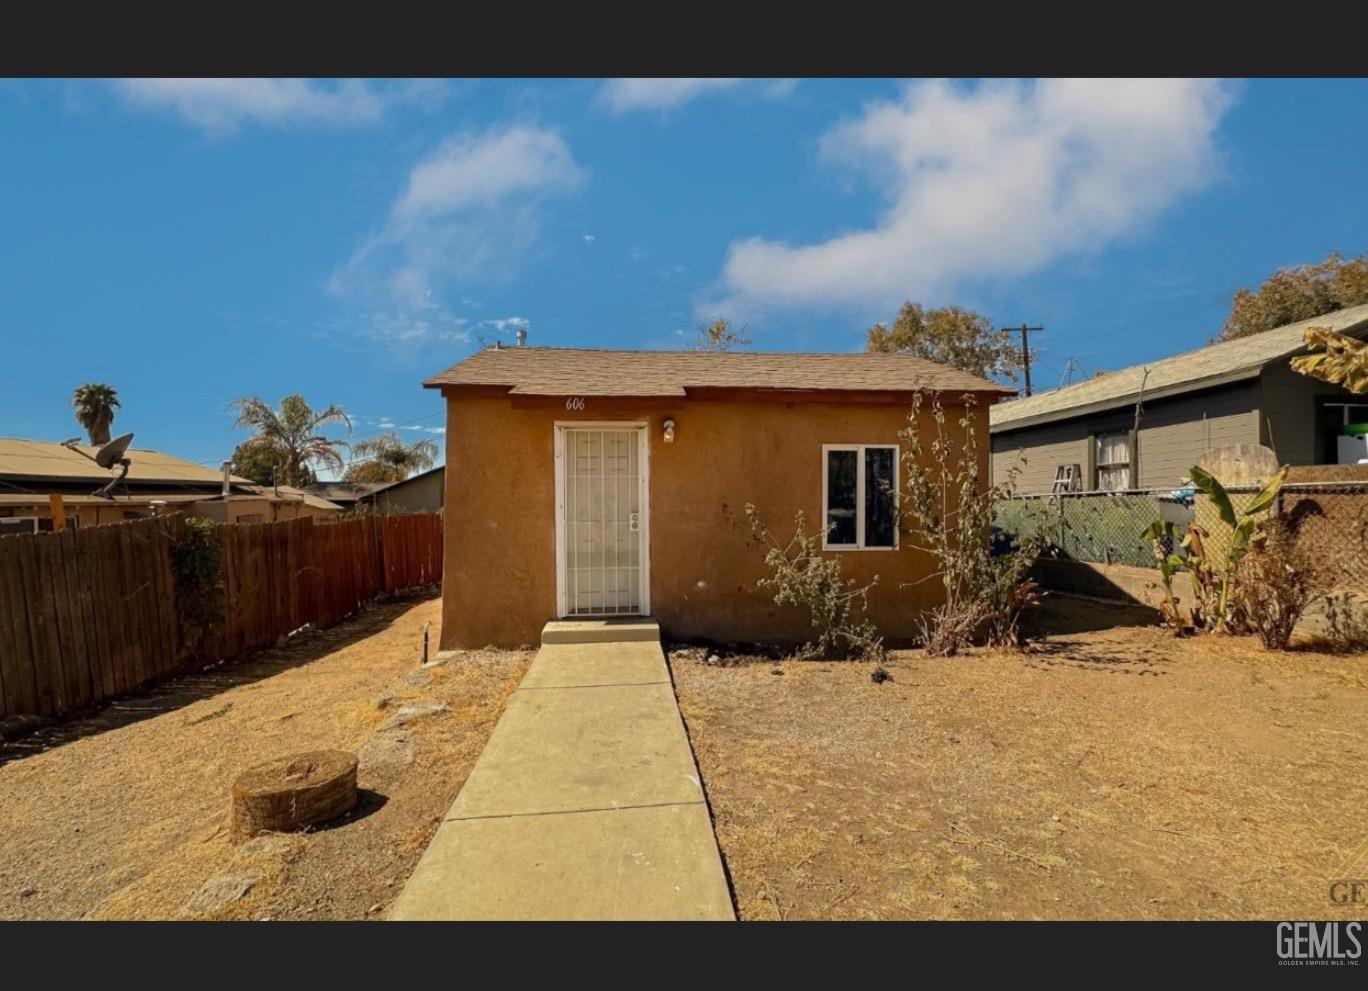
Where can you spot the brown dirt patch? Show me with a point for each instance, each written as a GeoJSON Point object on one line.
{"type": "Point", "coordinates": [124, 814]}
{"type": "Point", "coordinates": [1114, 772]}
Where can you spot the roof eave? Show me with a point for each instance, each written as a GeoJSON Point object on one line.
{"type": "Point", "coordinates": [1120, 402]}
{"type": "Point", "coordinates": [986, 393]}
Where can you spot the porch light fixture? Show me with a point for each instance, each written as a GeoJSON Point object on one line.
{"type": "Point", "coordinates": [668, 425]}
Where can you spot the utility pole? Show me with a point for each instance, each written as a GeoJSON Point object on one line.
{"type": "Point", "coordinates": [1025, 350]}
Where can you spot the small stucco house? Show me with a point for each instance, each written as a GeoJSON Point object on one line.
{"type": "Point", "coordinates": [1241, 392]}
{"type": "Point", "coordinates": [614, 483]}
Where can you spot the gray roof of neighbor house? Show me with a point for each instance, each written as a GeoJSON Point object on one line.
{"type": "Point", "coordinates": [386, 486]}
{"type": "Point", "coordinates": [288, 493]}
{"type": "Point", "coordinates": [593, 372]}
{"type": "Point", "coordinates": [342, 492]}
{"type": "Point", "coordinates": [1215, 364]}
{"type": "Point", "coordinates": [42, 460]}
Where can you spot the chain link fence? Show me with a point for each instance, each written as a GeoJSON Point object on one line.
{"type": "Point", "coordinates": [1330, 520]}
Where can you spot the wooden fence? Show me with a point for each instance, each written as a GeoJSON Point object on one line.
{"type": "Point", "coordinates": [90, 613]}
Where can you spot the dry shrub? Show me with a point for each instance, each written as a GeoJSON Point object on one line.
{"type": "Point", "coordinates": [947, 511]}
{"type": "Point", "coordinates": [1276, 580]}
{"type": "Point", "coordinates": [1346, 621]}
{"type": "Point", "coordinates": [801, 576]}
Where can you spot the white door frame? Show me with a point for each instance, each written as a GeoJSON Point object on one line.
{"type": "Point", "coordinates": [644, 481]}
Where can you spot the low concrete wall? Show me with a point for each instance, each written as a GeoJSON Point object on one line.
{"type": "Point", "coordinates": [1126, 583]}
{"type": "Point", "coordinates": [1123, 582]}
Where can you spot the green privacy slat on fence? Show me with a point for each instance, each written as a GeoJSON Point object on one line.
{"type": "Point", "coordinates": [1103, 528]}
{"type": "Point", "coordinates": [1330, 518]}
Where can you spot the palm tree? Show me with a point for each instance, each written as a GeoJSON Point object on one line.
{"type": "Point", "coordinates": [296, 432]}
{"type": "Point", "coordinates": [258, 459]}
{"type": "Point", "coordinates": [719, 336]}
{"type": "Point", "coordinates": [95, 404]}
{"type": "Point", "coordinates": [388, 459]}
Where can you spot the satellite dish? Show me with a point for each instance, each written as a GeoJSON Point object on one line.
{"type": "Point", "coordinates": [107, 457]}
{"type": "Point", "coordinates": [112, 453]}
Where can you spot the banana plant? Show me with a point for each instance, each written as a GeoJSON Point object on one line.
{"type": "Point", "coordinates": [1163, 537]}
{"type": "Point", "coordinates": [1241, 523]}
{"type": "Point", "coordinates": [1336, 358]}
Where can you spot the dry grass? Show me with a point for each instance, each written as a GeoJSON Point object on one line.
{"type": "Point", "coordinates": [1111, 773]}
{"type": "Point", "coordinates": [123, 814]}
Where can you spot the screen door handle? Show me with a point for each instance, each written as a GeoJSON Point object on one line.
{"type": "Point", "coordinates": [634, 522]}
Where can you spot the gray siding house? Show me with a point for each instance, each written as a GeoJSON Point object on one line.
{"type": "Point", "coordinates": [423, 493]}
{"type": "Point", "coordinates": [1237, 392]}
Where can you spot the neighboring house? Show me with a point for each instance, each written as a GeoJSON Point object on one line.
{"type": "Point", "coordinates": [33, 472]}
{"type": "Point", "coordinates": [344, 494]}
{"type": "Point", "coordinates": [1237, 392]}
{"type": "Point", "coordinates": [600, 483]}
{"type": "Point", "coordinates": [421, 493]}
{"type": "Point", "coordinates": [266, 504]}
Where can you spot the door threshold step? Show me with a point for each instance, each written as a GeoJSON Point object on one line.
{"type": "Point", "coordinates": [617, 629]}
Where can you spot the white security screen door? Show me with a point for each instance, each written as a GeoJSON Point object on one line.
{"type": "Point", "coordinates": [602, 479]}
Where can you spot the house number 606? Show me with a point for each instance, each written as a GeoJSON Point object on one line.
{"type": "Point", "coordinates": [574, 402]}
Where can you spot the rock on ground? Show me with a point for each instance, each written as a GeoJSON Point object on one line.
{"type": "Point", "coordinates": [221, 891]}
{"type": "Point", "coordinates": [386, 751]}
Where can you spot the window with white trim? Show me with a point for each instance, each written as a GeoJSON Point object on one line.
{"type": "Point", "coordinates": [1113, 462]}
{"type": "Point", "coordinates": [860, 496]}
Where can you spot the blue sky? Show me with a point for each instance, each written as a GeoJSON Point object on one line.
{"type": "Point", "coordinates": [194, 241]}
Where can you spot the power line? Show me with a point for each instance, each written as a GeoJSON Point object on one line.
{"type": "Point", "coordinates": [1025, 349]}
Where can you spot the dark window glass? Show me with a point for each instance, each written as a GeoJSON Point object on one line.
{"type": "Point", "coordinates": [878, 496]}
{"type": "Point", "coordinates": [841, 469]}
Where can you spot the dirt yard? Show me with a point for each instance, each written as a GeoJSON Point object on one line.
{"type": "Point", "coordinates": [1112, 772]}
{"type": "Point", "coordinates": [122, 815]}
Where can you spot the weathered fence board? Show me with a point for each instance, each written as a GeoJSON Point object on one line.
{"type": "Point", "coordinates": [89, 613]}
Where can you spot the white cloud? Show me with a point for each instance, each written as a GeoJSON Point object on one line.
{"type": "Point", "coordinates": [628, 95]}
{"type": "Point", "coordinates": [479, 171]}
{"type": "Point", "coordinates": [779, 89]}
{"type": "Point", "coordinates": [223, 105]}
{"type": "Point", "coordinates": [403, 326]}
{"type": "Point", "coordinates": [589, 239]}
{"type": "Point", "coordinates": [994, 180]}
{"type": "Point", "coordinates": [506, 323]}
{"type": "Point", "coordinates": [471, 209]}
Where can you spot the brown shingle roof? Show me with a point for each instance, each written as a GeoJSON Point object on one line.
{"type": "Point", "coordinates": [288, 493]}
{"type": "Point", "coordinates": [592, 372]}
{"type": "Point", "coordinates": [36, 459]}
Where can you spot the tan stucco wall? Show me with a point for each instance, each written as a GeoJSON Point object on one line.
{"type": "Point", "coordinates": [500, 580]}
{"type": "Point", "coordinates": [92, 514]}
{"type": "Point", "coordinates": [86, 514]}
{"type": "Point", "coordinates": [240, 508]}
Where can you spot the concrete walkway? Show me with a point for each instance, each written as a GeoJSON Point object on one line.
{"type": "Point", "coordinates": [585, 803]}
